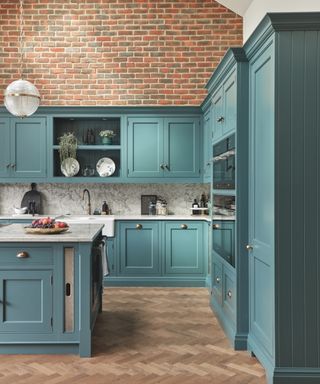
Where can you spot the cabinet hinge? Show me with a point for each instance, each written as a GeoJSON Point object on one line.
{"type": "Point", "coordinates": [51, 322]}
{"type": "Point", "coordinates": [51, 280]}
{"type": "Point", "coordinates": [112, 267]}
{"type": "Point", "coordinates": [127, 171]}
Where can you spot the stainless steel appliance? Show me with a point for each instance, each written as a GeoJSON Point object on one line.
{"type": "Point", "coordinates": [224, 164]}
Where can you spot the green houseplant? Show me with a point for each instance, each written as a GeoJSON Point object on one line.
{"type": "Point", "coordinates": [107, 136]}
{"type": "Point", "coordinates": [68, 152]}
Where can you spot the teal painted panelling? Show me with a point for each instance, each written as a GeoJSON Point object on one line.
{"type": "Point", "coordinates": [207, 146]}
{"type": "Point", "coordinates": [230, 104]}
{"type": "Point", "coordinates": [261, 199]}
{"type": "Point", "coordinates": [217, 107]}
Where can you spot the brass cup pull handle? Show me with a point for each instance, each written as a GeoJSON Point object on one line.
{"type": "Point", "coordinates": [138, 226]}
{"type": "Point", "coordinates": [249, 247]}
{"type": "Point", "coordinates": [215, 226]}
{"type": "Point", "coordinates": [22, 255]}
{"type": "Point", "coordinates": [229, 294]}
{"type": "Point", "coordinates": [218, 280]}
{"type": "Point", "coordinates": [183, 226]}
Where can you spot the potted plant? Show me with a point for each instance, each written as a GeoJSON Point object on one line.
{"type": "Point", "coordinates": [107, 136]}
{"type": "Point", "coordinates": [68, 151]}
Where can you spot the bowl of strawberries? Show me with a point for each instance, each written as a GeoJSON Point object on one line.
{"type": "Point", "coordinates": [46, 226]}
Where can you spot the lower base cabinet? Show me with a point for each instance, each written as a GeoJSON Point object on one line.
{"type": "Point", "coordinates": [159, 253]}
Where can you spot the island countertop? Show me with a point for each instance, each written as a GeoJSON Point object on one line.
{"type": "Point", "coordinates": [77, 233]}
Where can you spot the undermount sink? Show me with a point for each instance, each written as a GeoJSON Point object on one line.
{"type": "Point", "coordinates": [107, 220]}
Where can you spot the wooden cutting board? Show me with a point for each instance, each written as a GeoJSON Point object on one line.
{"type": "Point", "coordinates": [32, 195]}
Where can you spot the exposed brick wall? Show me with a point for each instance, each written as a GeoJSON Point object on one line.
{"type": "Point", "coordinates": [117, 52]}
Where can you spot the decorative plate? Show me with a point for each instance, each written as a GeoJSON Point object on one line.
{"type": "Point", "coordinates": [45, 231]}
{"type": "Point", "coordinates": [70, 167]}
{"type": "Point", "coordinates": [105, 167]}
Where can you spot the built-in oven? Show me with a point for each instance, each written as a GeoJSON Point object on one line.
{"type": "Point", "coordinates": [223, 239]}
{"type": "Point", "coordinates": [224, 164]}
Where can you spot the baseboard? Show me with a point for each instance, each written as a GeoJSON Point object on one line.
{"type": "Point", "coordinates": [154, 281]}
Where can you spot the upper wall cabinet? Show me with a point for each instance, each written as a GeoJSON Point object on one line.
{"type": "Point", "coordinates": [23, 148]}
{"type": "Point", "coordinates": [224, 104]}
{"type": "Point", "coordinates": [93, 148]}
{"type": "Point", "coordinates": [164, 147]}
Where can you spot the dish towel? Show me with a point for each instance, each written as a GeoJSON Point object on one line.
{"type": "Point", "coordinates": [105, 264]}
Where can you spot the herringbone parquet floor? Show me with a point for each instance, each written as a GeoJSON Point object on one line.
{"type": "Point", "coordinates": [145, 336]}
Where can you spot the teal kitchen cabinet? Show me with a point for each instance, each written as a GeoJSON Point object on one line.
{"type": "Point", "coordinates": [26, 301]}
{"type": "Point", "coordinates": [228, 97]}
{"type": "Point", "coordinates": [224, 105]}
{"type": "Point", "coordinates": [184, 247]}
{"type": "Point", "coordinates": [283, 249]}
{"type": "Point", "coordinates": [207, 146]}
{"type": "Point", "coordinates": [139, 248]}
{"type": "Point", "coordinates": [5, 165]}
{"type": "Point", "coordinates": [164, 147]}
{"type": "Point", "coordinates": [24, 148]}
{"type": "Point", "coordinates": [159, 253]}
{"type": "Point", "coordinates": [145, 147]}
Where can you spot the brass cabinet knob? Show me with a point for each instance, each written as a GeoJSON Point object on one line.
{"type": "Point", "coordinates": [138, 226]}
{"type": "Point", "coordinates": [183, 226]}
{"type": "Point", "coordinates": [22, 255]}
{"type": "Point", "coordinates": [162, 166]}
{"type": "Point", "coordinates": [220, 119]}
{"type": "Point", "coordinates": [8, 165]}
{"type": "Point", "coordinates": [218, 280]}
{"type": "Point", "coordinates": [13, 165]}
{"type": "Point", "coordinates": [229, 294]}
{"type": "Point", "coordinates": [249, 247]}
{"type": "Point", "coordinates": [215, 226]}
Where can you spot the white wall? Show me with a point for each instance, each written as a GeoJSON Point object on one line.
{"type": "Point", "coordinates": [258, 8]}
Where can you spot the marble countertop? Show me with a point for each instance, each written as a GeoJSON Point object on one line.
{"type": "Point", "coordinates": [78, 233]}
{"type": "Point", "coordinates": [122, 217]}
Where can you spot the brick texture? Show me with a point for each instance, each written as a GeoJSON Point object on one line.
{"type": "Point", "coordinates": [117, 52]}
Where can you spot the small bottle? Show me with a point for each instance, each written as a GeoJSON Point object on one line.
{"type": "Point", "coordinates": [152, 208]}
{"type": "Point", "coordinates": [195, 205]}
{"type": "Point", "coordinates": [105, 208]}
{"type": "Point", "coordinates": [203, 201]}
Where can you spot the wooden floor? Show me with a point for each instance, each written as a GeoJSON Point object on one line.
{"type": "Point", "coordinates": [145, 336]}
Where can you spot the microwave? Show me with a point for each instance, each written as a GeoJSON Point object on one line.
{"type": "Point", "coordinates": [224, 164]}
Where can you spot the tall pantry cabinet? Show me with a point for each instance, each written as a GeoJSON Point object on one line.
{"type": "Point", "coordinates": [284, 196]}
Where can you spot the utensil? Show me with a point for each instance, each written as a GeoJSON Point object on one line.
{"type": "Point", "coordinates": [70, 167]}
{"type": "Point", "coordinates": [105, 167]}
{"type": "Point", "coordinates": [33, 197]}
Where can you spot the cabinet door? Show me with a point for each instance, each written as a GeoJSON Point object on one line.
{"type": "Point", "coordinates": [145, 147]}
{"type": "Point", "coordinates": [138, 248]}
{"type": "Point", "coordinates": [229, 295]}
{"type": "Point", "coordinates": [29, 147]}
{"type": "Point", "coordinates": [4, 147]}
{"type": "Point", "coordinates": [26, 301]}
{"type": "Point", "coordinates": [207, 146]}
{"type": "Point", "coordinates": [183, 248]}
{"type": "Point", "coordinates": [217, 281]}
{"type": "Point", "coordinates": [218, 118]}
{"type": "Point", "coordinates": [261, 200]}
{"type": "Point", "coordinates": [182, 147]}
{"type": "Point", "coordinates": [230, 104]}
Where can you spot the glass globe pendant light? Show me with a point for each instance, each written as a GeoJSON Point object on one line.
{"type": "Point", "coordinates": [21, 98]}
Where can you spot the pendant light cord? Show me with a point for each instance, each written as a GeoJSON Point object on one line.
{"type": "Point", "coordinates": [21, 38]}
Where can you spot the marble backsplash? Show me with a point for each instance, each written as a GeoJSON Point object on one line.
{"type": "Point", "coordinates": [122, 198]}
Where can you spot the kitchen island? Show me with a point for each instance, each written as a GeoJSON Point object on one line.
{"type": "Point", "coordinates": [50, 289]}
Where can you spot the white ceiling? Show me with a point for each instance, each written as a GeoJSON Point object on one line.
{"type": "Point", "coordinates": [237, 6]}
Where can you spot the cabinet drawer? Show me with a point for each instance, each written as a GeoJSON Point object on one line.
{"type": "Point", "coordinates": [24, 256]}
{"type": "Point", "coordinates": [217, 281]}
{"type": "Point", "coordinates": [229, 296]}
